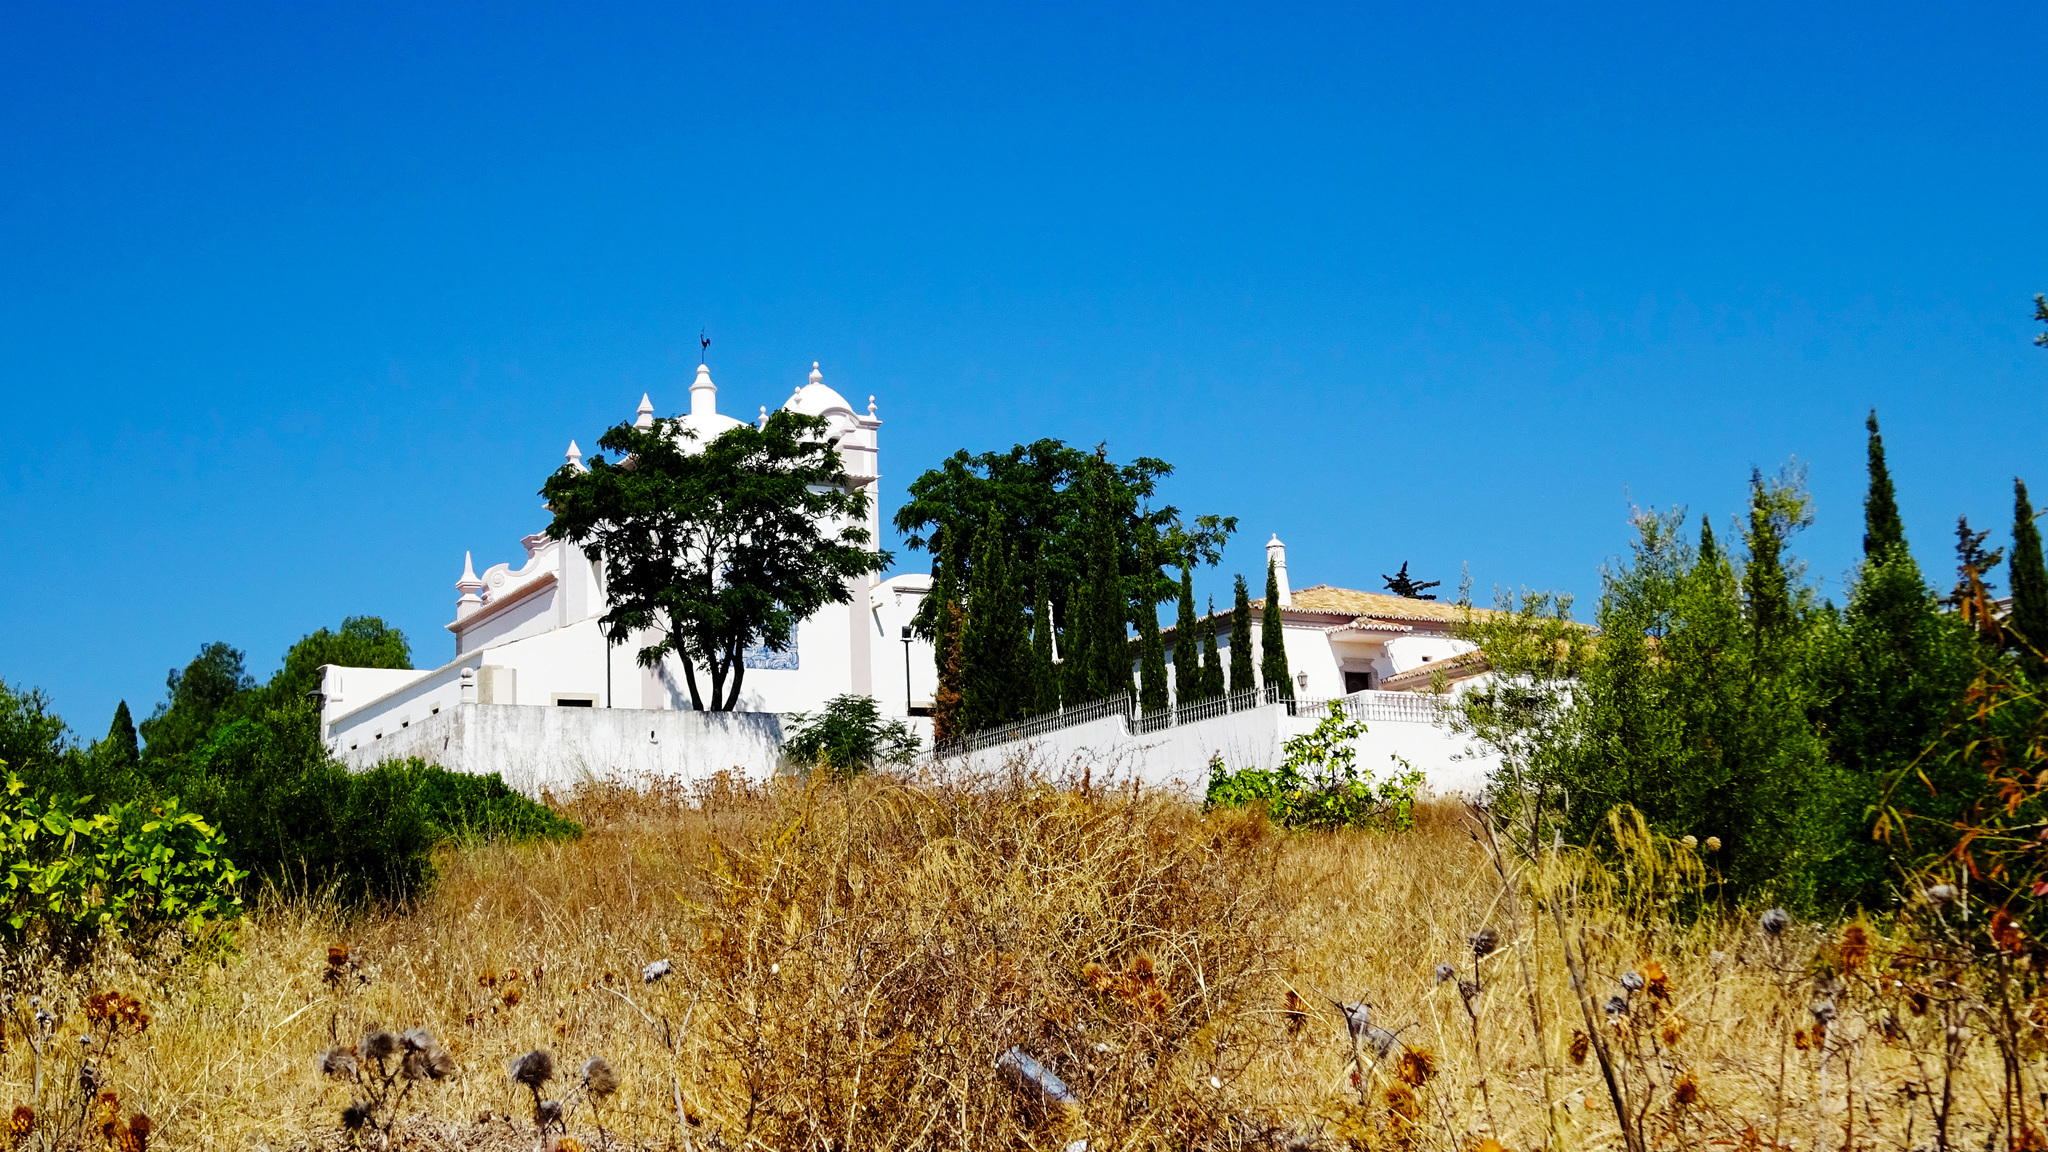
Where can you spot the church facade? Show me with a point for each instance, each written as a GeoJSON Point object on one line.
{"type": "Point", "coordinates": [526, 631]}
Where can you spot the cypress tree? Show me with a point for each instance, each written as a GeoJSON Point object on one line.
{"type": "Point", "coordinates": [994, 648]}
{"type": "Point", "coordinates": [1109, 648]}
{"type": "Point", "coordinates": [1241, 641]}
{"type": "Point", "coordinates": [1045, 680]}
{"type": "Point", "coordinates": [1273, 663]}
{"type": "Point", "coordinates": [1900, 666]}
{"type": "Point", "coordinates": [121, 744]}
{"type": "Point", "coordinates": [2028, 575]}
{"type": "Point", "coordinates": [1151, 650]}
{"type": "Point", "coordinates": [1883, 531]}
{"type": "Point", "coordinates": [1187, 671]}
{"type": "Point", "coordinates": [1212, 660]}
{"type": "Point", "coordinates": [946, 637]}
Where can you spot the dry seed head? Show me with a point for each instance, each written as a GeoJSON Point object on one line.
{"type": "Point", "coordinates": [548, 1114]}
{"type": "Point", "coordinates": [1632, 981]}
{"type": "Point", "coordinates": [1445, 972]}
{"type": "Point", "coordinates": [1402, 1103]}
{"type": "Point", "coordinates": [1855, 949]}
{"type": "Point", "coordinates": [534, 1069]}
{"type": "Point", "coordinates": [1775, 921]}
{"type": "Point", "coordinates": [655, 971]}
{"type": "Point", "coordinates": [22, 1121]}
{"type": "Point", "coordinates": [1713, 843]}
{"type": "Point", "coordinates": [1687, 1091]}
{"type": "Point", "coordinates": [1483, 943]}
{"type": "Point", "coordinates": [416, 1039]}
{"type": "Point", "coordinates": [1941, 895]}
{"type": "Point", "coordinates": [1690, 841]}
{"type": "Point", "coordinates": [1581, 1045]}
{"type": "Point", "coordinates": [1672, 1030]}
{"type": "Point", "coordinates": [1485, 1144]}
{"type": "Point", "coordinates": [339, 1063]}
{"type": "Point", "coordinates": [355, 1115]}
{"type": "Point", "coordinates": [1415, 1067]}
{"type": "Point", "coordinates": [598, 1078]}
{"type": "Point", "coordinates": [378, 1045]}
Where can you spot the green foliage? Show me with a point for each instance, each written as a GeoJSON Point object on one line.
{"type": "Point", "coordinates": [134, 868]}
{"type": "Point", "coordinates": [1883, 531]}
{"type": "Point", "coordinates": [1272, 643]}
{"type": "Point", "coordinates": [1187, 668]}
{"type": "Point", "coordinates": [2041, 314]}
{"type": "Point", "coordinates": [2029, 575]}
{"type": "Point", "coordinates": [1241, 678]}
{"type": "Point", "coordinates": [1152, 690]}
{"type": "Point", "coordinates": [1105, 611]}
{"type": "Point", "coordinates": [849, 737]}
{"type": "Point", "coordinates": [1974, 563]}
{"type": "Point", "coordinates": [360, 642]}
{"type": "Point", "coordinates": [1898, 668]}
{"type": "Point", "coordinates": [305, 823]}
{"type": "Point", "coordinates": [194, 698]}
{"type": "Point", "coordinates": [719, 547]}
{"type": "Point", "coordinates": [1045, 676]}
{"type": "Point", "coordinates": [1318, 784]}
{"type": "Point", "coordinates": [946, 593]}
{"type": "Point", "coordinates": [1212, 658]}
{"type": "Point", "coordinates": [995, 652]}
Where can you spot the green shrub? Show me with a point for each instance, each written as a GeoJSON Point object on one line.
{"type": "Point", "coordinates": [1318, 784]}
{"type": "Point", "coordinates": [847, 738]}
{"type": "Point", "coordinates": [136, 868]}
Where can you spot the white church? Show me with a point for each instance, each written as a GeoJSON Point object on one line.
{"type": "Point", "coordinates": [535, 691]}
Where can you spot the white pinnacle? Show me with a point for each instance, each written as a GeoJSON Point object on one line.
{"type": "Point", "coordinates": [646, 414]}
{"type": "Point", "coordinates": [574, 456]}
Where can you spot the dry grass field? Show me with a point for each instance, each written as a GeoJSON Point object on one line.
{"type": "Point", "coordinates": [846, 967]}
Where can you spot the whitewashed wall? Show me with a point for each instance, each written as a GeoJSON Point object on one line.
{"type": "Point", "coordinates": [538, 748]}
{"type": "Point", "coordinates": [1178, 758]}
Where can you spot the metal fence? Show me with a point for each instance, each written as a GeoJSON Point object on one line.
{"type": "Point", "coordinates": [1392, 707]}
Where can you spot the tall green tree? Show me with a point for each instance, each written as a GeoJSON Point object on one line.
{"type": "Point", "coordinates": [360, 642]}
{"type": "Point", "coordinates": [718, 547]}
{"type": "Point", "coordinates": [2028, 574]}
{"type": "Point", "coordinates": [1890, 687]}
{"type": "Point", "coordinates": [1152, 689]}
{"type": "Point", "coordinates": [121, 748]}
{"type": "Point", "coordinates": [1212, 658]}
{"type": "Point", "coordinates": [946, 648]}
{"type": "Point", "coordinates": [995, 650]}
{"type": "Point", "coordinates": [1045, 679]}
{"type": "Point", "coordinates": [1109, 651]}
{"type": "Point", "coordinates": [1187, 667]}
{"type": "Point", "coordinates": [194, 699]}
{"type": "Point", "coordinates": [1241, 677]}
{"type": "Point", "coordinates": [1272, 641]}
{"type": "Point", "coordinates": [1883, 530]}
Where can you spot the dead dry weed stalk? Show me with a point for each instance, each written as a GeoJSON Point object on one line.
{"type": "Point", "coordinates": [1019, 961]}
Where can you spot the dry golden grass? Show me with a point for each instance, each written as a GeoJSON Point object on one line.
{"type": "Point", "coordinates": [849, 963]}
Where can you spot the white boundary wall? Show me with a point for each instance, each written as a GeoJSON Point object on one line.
{"type": "Point", "coordinates": [1178, 758]}
{"type": "Point", "coordinates": [541, 748]}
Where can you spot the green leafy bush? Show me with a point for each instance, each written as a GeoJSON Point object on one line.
{"type": "Point", "coordinates": [849, 737]}
{"type": "Point", "coordinates": [135, 868]}
{"type": "Point", "coordinates": [1318, 783]}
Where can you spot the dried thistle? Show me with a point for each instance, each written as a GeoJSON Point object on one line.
{"type": "Point", "coordinates": [1296, 1013]}
{"type": "Point", "coordinates": [1415, 1067]}
{"type": "Point", "coordinates": [1581, 1045]}
{"type": "Point", "coordinates": [22, 1121]}
{"type": "Point", "coordinates": [1632, 982]}
{"type": "Point", "coordinates": [1775, 921]}
{"type": "Point", "coordinates": [655, 971]}
{"type": "Point", "coordinates": [1672, 1030]}
{"type": "Point", "coordinates": [1483, 943]}
{"type": "Point", "coordinates": [378, 1045]}
{"type": "Point", "coordinates": [1656, 980]}
{"type": "Point", "coordinates": [1401, 1102]}
{"type": "Point", "coordinates": [136, 1138]}
{"type": "Point", "coordinates": [533, 1069]}
{"type": "Point", "coordinates": [1855, 947]}
{"type": "Point", "coordinates": [548, 1114]}
{"type": "Point", "coordinates": [1686, 1091]}
{"type": "Point", "coordinates": [356, 1115]}
{"type": "Point", "coordinates": [598, 1078]}
{"type": "Point", "coordinates": [339, 1063]}
{"type": "Point", "coordinates": [1445, 972]}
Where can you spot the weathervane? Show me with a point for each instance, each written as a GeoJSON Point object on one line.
{"type": "Point", "coordinates": [704, 340]}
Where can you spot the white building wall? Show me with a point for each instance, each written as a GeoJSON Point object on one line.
{"type": "Point", "coordinates": [1178, 758]}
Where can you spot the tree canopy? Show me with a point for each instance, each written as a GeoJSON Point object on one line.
{"type": "Point", "coordinates": [715, 548]}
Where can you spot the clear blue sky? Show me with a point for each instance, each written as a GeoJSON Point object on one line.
{"type": "Point", "coordinates": [298, 302]}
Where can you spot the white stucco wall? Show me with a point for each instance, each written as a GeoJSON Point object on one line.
{"type": "Point", "coordinates": [541, 748]}
{"type": "Point", "coordinates": [1178, 758]}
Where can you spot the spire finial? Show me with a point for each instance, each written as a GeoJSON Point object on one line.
{"type": "Point", "coordinates": [763, 421]}
{"type": "Point", "coordinates": [817, 377]}
{"type": "Point", "coordinates": [574, 456]}
{"type": "Point", "coordinates": [645, 417]}
{"type": "Point", "coordinates": [469, 586]}
{"type": "Point", "coordinates": [871, 406]}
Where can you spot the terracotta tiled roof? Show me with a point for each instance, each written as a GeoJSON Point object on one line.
{"type": "Point", "coordinates": [1324, 598]}
{"type": "Point", "coordinates": [1463, 666]}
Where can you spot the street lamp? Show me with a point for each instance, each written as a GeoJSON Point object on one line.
{"type": "Point", "coordinates": [906, 671]}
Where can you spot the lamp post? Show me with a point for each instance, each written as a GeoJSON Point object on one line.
{"type": "Point", "coordinates": [906, 671]}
